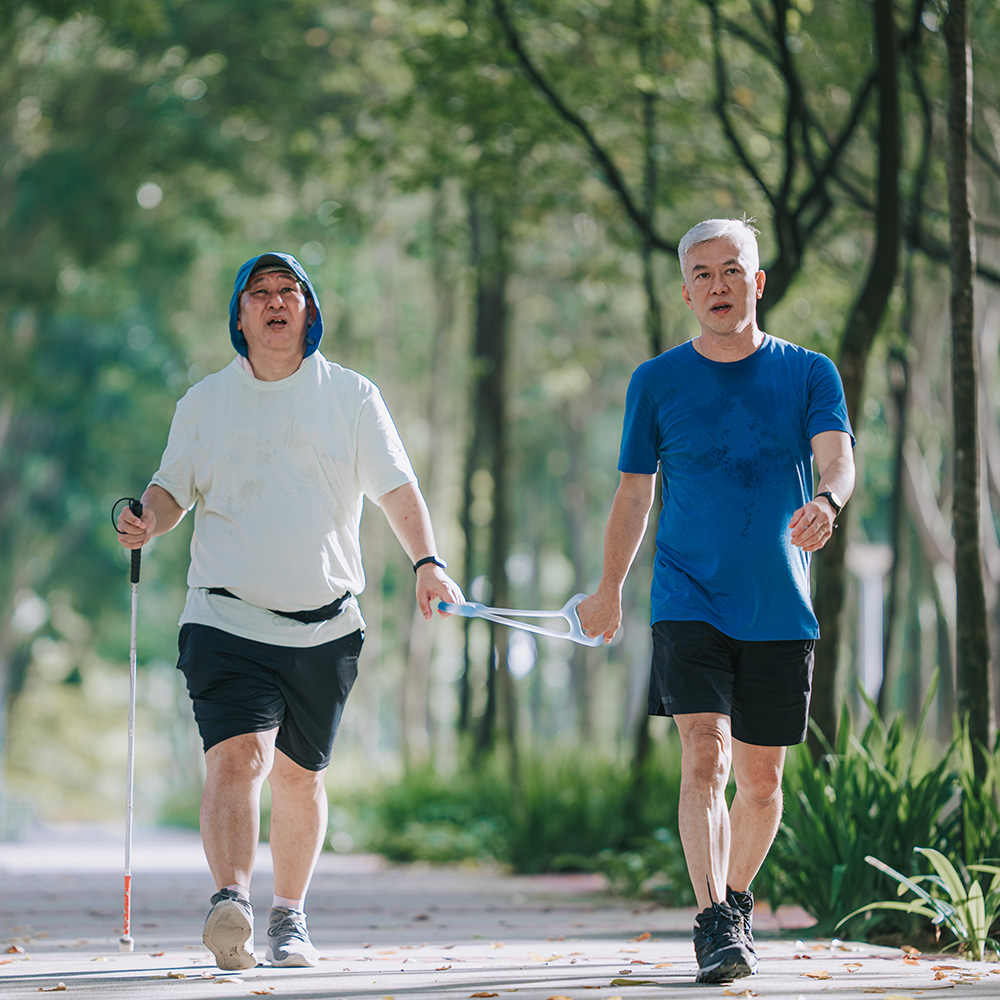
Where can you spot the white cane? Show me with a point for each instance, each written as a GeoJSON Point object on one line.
{"type": "Point", "coordinates": [125, 942]}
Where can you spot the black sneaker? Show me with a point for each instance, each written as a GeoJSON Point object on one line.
{"type": "Point", "coordinates": [228, 933]}
{"type": "Point", "coordinates": [719, 945]}
{"type": "Point", "coordinates": [742, 902]}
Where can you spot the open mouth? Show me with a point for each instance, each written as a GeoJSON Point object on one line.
{"type": "Point", "coordinates": [277, 323]}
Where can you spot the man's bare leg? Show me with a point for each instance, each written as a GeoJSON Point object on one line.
{"type": "Point", "coordinates": [298, 829]}
{"type": "Point", "coordinates": [230, 826]}
{"type": "Point", "coordinates": [230, 805]}
{"type": "Point", "coordinates": [703, 817]}
{"type": "Point", "coordinates": [298, 824]}
{"type": "Point", "coordinates": [756, 810]}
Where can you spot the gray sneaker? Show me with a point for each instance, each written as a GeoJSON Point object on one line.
{"type": "Point", "coordinates": [228, 933]}
{"type": "Point", "coordinates": [742, 902]}
{"type": "Point", "coordinates": [288, 943]}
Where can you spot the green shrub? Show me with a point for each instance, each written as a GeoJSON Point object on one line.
{"type": "Point", "coordinates": [864, 797]}
{"type": "Point", "coordinates": [555, 811]}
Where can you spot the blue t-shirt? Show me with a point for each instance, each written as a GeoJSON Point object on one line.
{"type": "Point", "coordinates": [732, 441]}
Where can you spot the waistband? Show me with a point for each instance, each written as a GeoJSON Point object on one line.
{"type": "Point", "coordinates": [323, 614]}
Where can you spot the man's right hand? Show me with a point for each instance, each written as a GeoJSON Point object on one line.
{"type": "Point", "coordinates": [601, 613]}
{"type": "Point", "coordinates": [134, 532]}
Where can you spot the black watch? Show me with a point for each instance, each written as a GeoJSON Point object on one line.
{"type": "Point", "coordinates": [835, 501]}
{"type": "Point", "coordinates": [429, 559]}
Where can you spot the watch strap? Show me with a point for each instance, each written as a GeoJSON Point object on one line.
{"type": "Point", "coordinates": [429, 559]}
{"type": "Point", "coordinates": [837, 508]}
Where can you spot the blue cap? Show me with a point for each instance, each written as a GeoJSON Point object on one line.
{"type": "Point", "coordinates": [314, 331]}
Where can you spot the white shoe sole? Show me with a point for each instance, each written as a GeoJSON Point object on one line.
{"type": "Point", "coordinates": [294, 960]}
{"type": "Point", "coordinates": [228, 935]}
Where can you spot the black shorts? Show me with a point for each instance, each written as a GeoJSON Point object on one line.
{"type": "Point", "coordinates": [763, 687]}
{"type": "Point", "coordinates": [242, 686]}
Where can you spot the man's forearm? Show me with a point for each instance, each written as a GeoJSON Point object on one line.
{"type": "Point", "coordinates": [625, 530]}
{"type": "Point", "coordinates": [838, 477]}
{"type": "Point", "coordinates": [166, 509]}
{"type": "Point", "coordinates": [407, 514]}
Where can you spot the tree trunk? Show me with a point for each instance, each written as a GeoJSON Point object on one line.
{"type": "Point", "coordinates": [972, 642]}
{"type": "Point", "coordinates": [858, 337]}
{"type": "Point", "coordinates": [488, 446]}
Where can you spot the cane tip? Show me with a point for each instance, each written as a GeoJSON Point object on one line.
{"type": "Point", "coordinates": [126, 944]}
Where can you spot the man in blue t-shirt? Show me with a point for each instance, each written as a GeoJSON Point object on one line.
{"type": "Point", "coordinates": [734, 420]}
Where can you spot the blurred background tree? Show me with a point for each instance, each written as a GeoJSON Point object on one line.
{"type": "Point", "coordinates": [488, 195]}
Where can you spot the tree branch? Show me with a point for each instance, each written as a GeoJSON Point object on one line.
{"type": "Point", "coordinates": [604, 161]}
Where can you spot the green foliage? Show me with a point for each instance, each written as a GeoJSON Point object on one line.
{"type": "Point", "coordinates": [867, 794]}
{"type": "Point", "coordinates": [565, 811]}
{"type": "Point", "coordinates": [975, 829]}
{"type": "Point", "coordinates": [961, 905]}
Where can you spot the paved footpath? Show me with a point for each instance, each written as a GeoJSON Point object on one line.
{"type": "Point", "coordinates": [403, 933]}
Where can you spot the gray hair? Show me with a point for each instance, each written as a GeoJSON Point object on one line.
{"type": "Point", "coordinates": [740, 231]}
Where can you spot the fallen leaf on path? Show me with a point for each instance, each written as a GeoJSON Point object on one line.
{"type": "Point", "coordinates": [818, 974]}
{"type": "Point", "coordinates": [497, 944]}
{"type": "Point", "coordinates": [663, 965]}
{"type": "Point", "coordinates": [15, 949]}
{"type": "Point", "coordinates": [874, 989]}
{"type": "Point", "coordinates": [639, 961]}
{"type": "Point", "coordinates": [558, 996]}
{"type": "Point", "coordinates": [58, 988]}
{"type": "Point", "coordinates": [634, 982]}
{"type": "Point", "coordinates": [644, 936]}
{"type": "Point", "coordinates": [208, 975]}
{"type": "Point", "coordinates": [484, 994]}
{"type": "Point", "coordinates": [535, 957]}
{"type": "Point", "coordinates": [262, 993]}
{"type": "Point", "coordinates": [738, 993]}
{"type": "Point", "coordinates": [630, 951]}
{"type": "Point", "coordinates": [225, 980]}
{"type": "Point", "coordinates": [910, 961]}
{"type": "Point", "coordinates": [939, 968]}
{"type": "Point", "coordinates": [442, 968]}
{"type": "Point", "coordinates": [853, 966]}
{"type": "Point", "coordinates": [910, 950]}
{"type": "Point", "coordinates": [176, 975]}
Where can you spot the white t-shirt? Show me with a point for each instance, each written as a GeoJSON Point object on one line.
{"type": "Point", "coordinates": [277, 473]}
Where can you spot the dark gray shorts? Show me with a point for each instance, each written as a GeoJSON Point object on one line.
{"type": "Point", "coordinates": [242, 686]}
{"type": "Point", "coordinates": [763, 687]}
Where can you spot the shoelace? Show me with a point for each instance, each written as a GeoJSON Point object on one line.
{"type": "Point", "coordinates": [292, 925]}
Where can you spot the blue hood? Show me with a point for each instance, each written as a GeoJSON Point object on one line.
{"type": "Point", "coordinates": [314, 332]}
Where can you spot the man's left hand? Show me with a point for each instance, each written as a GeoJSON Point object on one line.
{"type": "Point", "coordinates": [812, 525]}
{"type": "Point", "coordinates": [434, 585]}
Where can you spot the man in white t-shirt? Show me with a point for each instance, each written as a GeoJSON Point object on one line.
{"type": "Point", "coordinates": [276, 453]}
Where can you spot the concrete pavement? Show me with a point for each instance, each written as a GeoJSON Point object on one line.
{"type": "Point", "coordinates": [406, 933]}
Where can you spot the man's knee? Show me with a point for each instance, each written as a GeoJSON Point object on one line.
{"type": "Point", "coordinates": [758, 772]}
{"type": "Point", "coordinates": [706, 748]}
{"type": "Point", "coordinates": [244, 758]}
